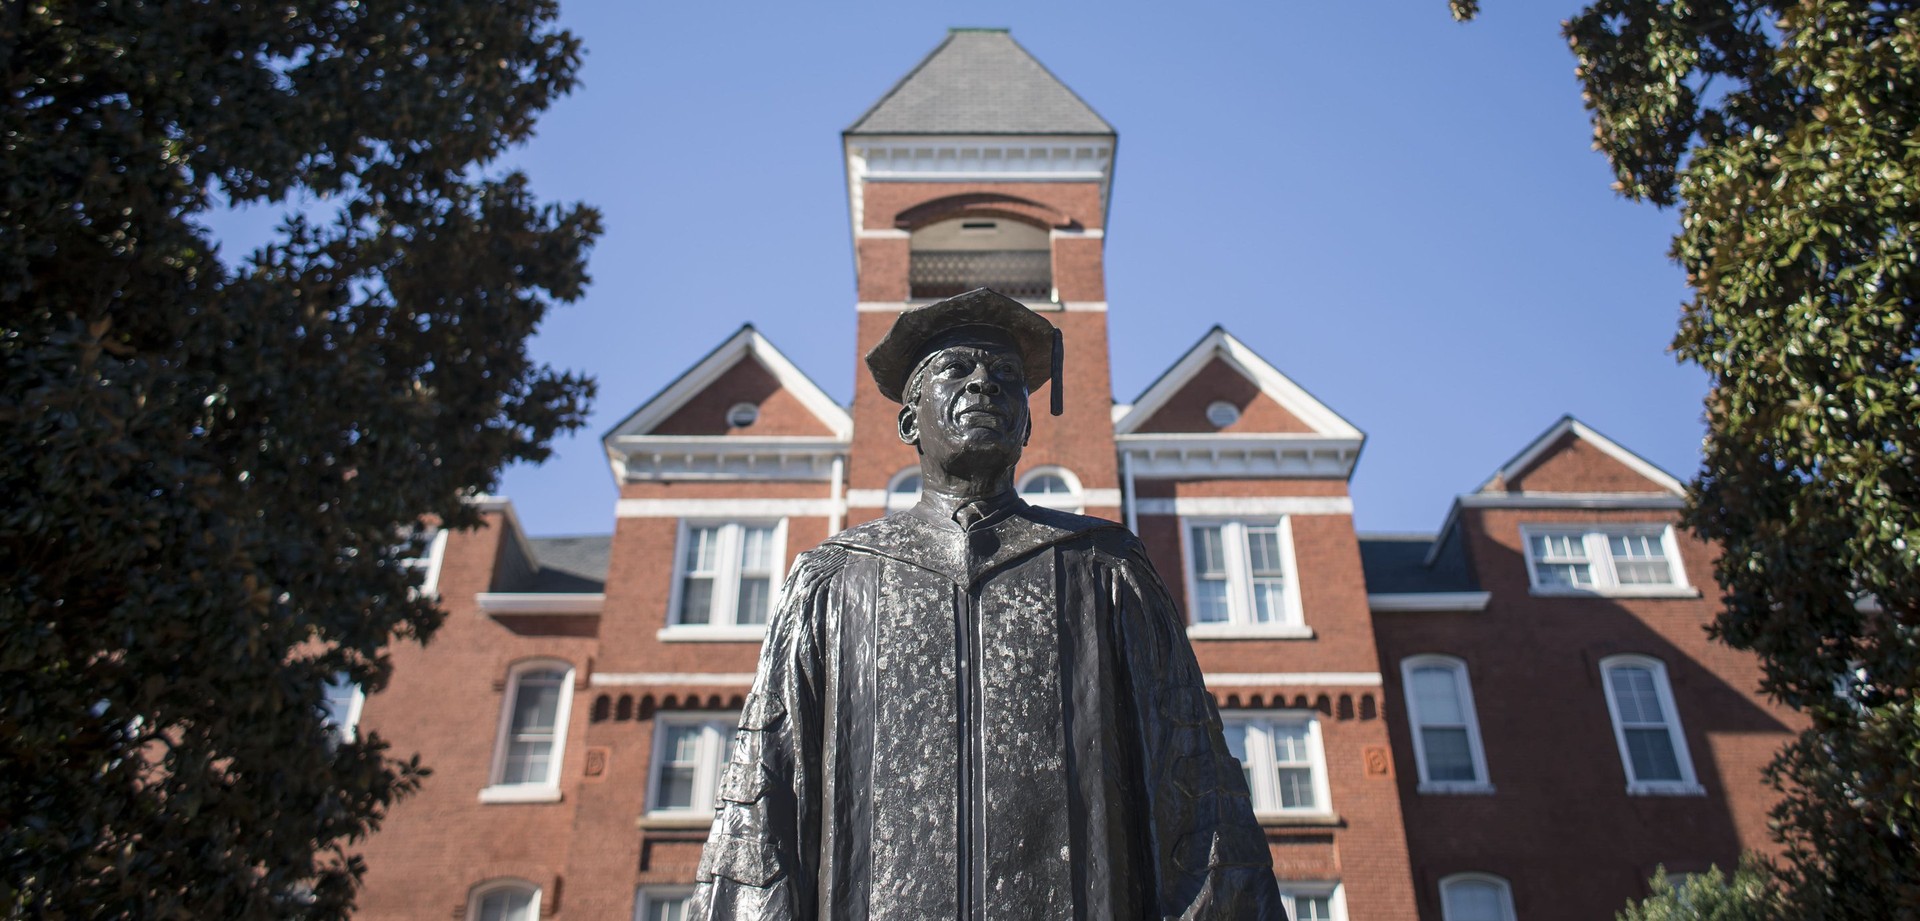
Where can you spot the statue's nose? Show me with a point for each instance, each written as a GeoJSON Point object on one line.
{"type": "Point", "coordinates": [982, 385]}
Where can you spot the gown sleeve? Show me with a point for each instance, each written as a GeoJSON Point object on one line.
{"type": "Point", "coordinates": [756, 862]}
{"type": "Point", "coordinates": [1210, 856]}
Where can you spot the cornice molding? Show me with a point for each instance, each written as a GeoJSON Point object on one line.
{"type": "Point", "coordinates": [724, 457]}
{"type": "Point", "coordinates": [1216, 456]}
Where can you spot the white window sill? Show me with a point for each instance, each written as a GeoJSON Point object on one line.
{"type": "Point", "coordinates": [1249, 632]}
{"type": "Point", "coordinates": [705, 633]}
{"type": "Point", "coordinates": [1616, 591]}
{"type": "Point", "coordinates": [668, 821]}
{"type": "Point", "coordinates": [520, 793]}
{"type": "Point", "coordinates": [1455, 788]}
{"type": "Point", "coordinates": [1665, 788]}
{"type": "Point", "coordinates": [1281, 819]}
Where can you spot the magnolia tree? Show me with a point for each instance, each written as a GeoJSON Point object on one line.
{"type": "Point", "coordinates": [214, 477]}
{"type": "Point", "coordinates": [1788, 134]}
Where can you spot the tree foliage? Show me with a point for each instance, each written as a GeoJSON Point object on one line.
{"type": "Point", "coordinates": [213, 477]}
{"type": "Point", "coordinates": [1709, 896]}
{"type": "Point", "coordinates": [1788, 133]}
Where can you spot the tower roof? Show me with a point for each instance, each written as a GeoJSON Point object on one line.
{"type": "Point", "coordinates": [980, 81]}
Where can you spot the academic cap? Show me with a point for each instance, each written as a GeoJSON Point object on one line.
{"type": "Point", "coordinates": [900, 351]}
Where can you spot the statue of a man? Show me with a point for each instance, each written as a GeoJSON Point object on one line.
{"type": "Point", "coordinates": [977, 709]}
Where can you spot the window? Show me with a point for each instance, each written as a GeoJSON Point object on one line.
{"type": "Point", "coordinates": [661, 904]}
{"type": "Point", "coordinates": [340, 706]}
{"type": "Point", "coordinates": [1446, 731]}
{"type": "Point", "coordinates": [1475, 897]}
{"type": "Point", "coordinates": [1653, 749]}
{"type": "Point", "coordinates": [511, 900]}
{"type": "Point", "coordinates": [727, 573]}
{"type": "Point", "coordinates": [533, 728]}
{"type": "Point", "coordinates": [687, 757]}
{"type": "Point", "coordinates": [1241, 578]}
{"type": "Point", "coordinates": [1631, 560]}
{"type": "Point", "coordinates": [741, 415]}
{"type": "Point", "coordinates": [1052, 487]}
{"type": "Point", "coordinates": [1313, 901]}
{"type": "Point", "coordinates": [1222, 414]}
{"type": "Point", "coordinates": [1284, 764]}
{"type": "Point", "coordinates": [904, 490]}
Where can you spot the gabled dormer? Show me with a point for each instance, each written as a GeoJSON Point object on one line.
{"type": "Point", "coordinates": [1572, 460]}
{"type": "Point", "coordinates": [742, 412]}
{"type": "Point", "coordinates": [1222, 410]}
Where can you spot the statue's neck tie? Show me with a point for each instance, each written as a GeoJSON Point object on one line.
{"type": "Point", "coordinates": [968, 515]}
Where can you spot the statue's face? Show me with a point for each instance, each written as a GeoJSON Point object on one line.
{"type": "Point", "coordinates": [969, 415]}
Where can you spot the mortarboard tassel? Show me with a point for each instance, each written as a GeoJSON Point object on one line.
{"type": "Point", "coordinates": [1059, 357]}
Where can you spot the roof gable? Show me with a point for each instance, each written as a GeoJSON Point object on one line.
{"type": "Point", "coordinates": [1571, 457]}
{"type": "Point", "coordinates": [980, 81]}
{"type": "Point", "coordinates": [1269, 401]}
{"type": "Point", "coordinates": [742, 368]}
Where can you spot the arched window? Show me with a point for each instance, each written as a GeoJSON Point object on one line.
{"type": "Point", "coordinates": [1052, 487]}
{"type": "Point", "coordinates": [504, 900]}
{"type": "Point", "coordinates": [903, 490]}
{"type": "Point", "coordinates": [1653, 749]}
{"type": "Point", "coordinates": [533, 733]}
{"type": "Point", "coordinates": [1446, 731]}
{"type": "Point", "coordinates": [1475, 897]}
{"type": "Point", "coordinates": [1010, 256]}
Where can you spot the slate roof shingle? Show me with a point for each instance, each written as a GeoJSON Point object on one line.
{"type": "Point", "coordinates": [1396, 564]}
{"type": "Point", "coordinates": [980, 81]}
{"type": "Point", "coordinates": [567, 565]}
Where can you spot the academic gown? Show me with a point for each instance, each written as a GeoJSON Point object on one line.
{"type": "Point", "coordinates": [998, 722]}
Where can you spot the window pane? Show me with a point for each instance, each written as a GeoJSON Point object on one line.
{"type": "Point", "coordinates": [1651, 751]}
{"type": "Point", "coordinates": [666, 909]}
{"type": "Point", "coordinates": [1209, 559]}
{"type": "Point", "coordinates": [1634, 694]}
{"type": "Point", "coordinates": [1648, 573]}
{"type": "Point", "coordinates": [1269, 600]}
{"type": "Point", "coordinates": [1311, 907]}
{"type": "Point", "coordinates": [1563, 574]}
{"type": "Point", "coordinates": [908, 485]}
{"type": "Point", "coordinates": [756, 549]}
{"type": "Point", "coordinates": [1296, 788]}
{"type": "Point", "coordinates": [1448, 757]}
{"type": "Point", "coordinates": [1210, 597]}
{"type": "Point", "coordinates": [1046, 484]}
{"type": "Point", "coordinates": [680, 754]}
{"type": "Point", "coordinates": [1290, 744]}
{"type": "Point", "coordinates": [526, 762]}
{"type": "Point", "coordinates": [755, 595]}
{"type": "Point", "coordinates": [696, 600]}
{"type": "Point", "coordinates": [1436, 695]}
{"type": "Point", "coordinates": [1263, 550]}
{"type": "Point", "coordinates": [507, 905]}
{"type": "Point", "coordinates": [702, 546]}
{"type": "Point", "coordinates": [531, 732]}
{"type": "Point", "coordinates": [1237, 745]}
{"type": "Point", "coordinates": [1473, 900]}
{"type": "Point", "coordinates": [1558, 546]}
{"type": "Point", "coordinates": [336, 704]}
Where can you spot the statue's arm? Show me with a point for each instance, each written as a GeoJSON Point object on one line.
{"type": "Point", "coordinates": [755, 865]}
{"type": "Point", "coordinates": [1212, 857]}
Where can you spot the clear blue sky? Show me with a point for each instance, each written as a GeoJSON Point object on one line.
{"type": "Point", "coordinates": [1402, 213]}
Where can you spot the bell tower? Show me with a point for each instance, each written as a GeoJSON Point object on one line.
{"type": "Point", "coordinates": [980, 168]}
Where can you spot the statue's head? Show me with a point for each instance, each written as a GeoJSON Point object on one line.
{"type": "Point", "coordinates": [962, 369]}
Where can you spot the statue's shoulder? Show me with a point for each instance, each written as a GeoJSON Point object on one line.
{"type": "Point", "coordinates": [1104, 535]}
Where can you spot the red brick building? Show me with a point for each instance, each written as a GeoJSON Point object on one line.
{"type": "Point", "coordinates": [1518, 716]}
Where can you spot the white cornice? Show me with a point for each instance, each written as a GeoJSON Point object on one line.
{"type": "Point", "coordinates": [1649, 500]}
{"type": "Point", "coordinates": [724, 457]}
{"type": "Point", "coordinates": [1203, 456]}
{"type": "Point", "coordinates": [1293, 679]}
{"type": "Point", "coordinates": [1429, 601]}
{"type": "Point", "coordinates": [940, 158]}
{"type": "Point", "coordinates": [493, 603]}
{"type": "Point", "coordinates": [1220, 506]}
{"type": "Point", "coordinates": [1218, 343]}
{"type": "Point", "coordinates": [725, 508]}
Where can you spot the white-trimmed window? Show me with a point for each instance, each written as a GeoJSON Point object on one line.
{"type": "Point", "coordinates": [504, 900]}
{"type": "Point", "coordinates": [1284, 761]}
{"type": "Point", "coordinates": [1446, 731]}
{"type": "Point", "coordinates": [1053, 487]}
{"type": "Point", "coordinates": [1241, 579]}
{"type": "Point", "coordinates": [726, 574]}
{"type": "Point", "coordinates": [340, 704]}
{"type": "Point", "coordinates": [1313, 901]}
{"type": "Point", "coordinates": [1627, 560]}
{"type": "Point", "coordinates": [1653, 748]}
{"type": "Point", "coordinates": [1475, 897]}
{"type": "Point", "coordinates": [689, 751]}
{"type": "Point", "coordinates": [661, 903]}
{"type": "Point", "coordinates": [903, 491]}
{"type": "Point", "coordinates": [533, 733]}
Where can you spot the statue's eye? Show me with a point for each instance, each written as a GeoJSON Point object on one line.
{"type": "Point", "coordinates": [1006, 369]}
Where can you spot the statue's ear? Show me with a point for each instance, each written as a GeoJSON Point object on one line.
{"type": "Point", "coordinates": [909, 426]}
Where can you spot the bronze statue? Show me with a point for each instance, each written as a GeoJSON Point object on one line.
{"type": "Point", "coordinates": [979, 709]}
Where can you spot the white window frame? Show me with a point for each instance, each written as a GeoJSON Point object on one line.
{"type": "Point", "coordinates": [726, 586]}
{"type": "Point", "coordinates": [1240, 607]}
{"type": "Point", "coordinates": [349, 726]}
{"type": "Point", "coordinates": [547, 791]}
{"type": "Point", "coordinates": [706, 777]}
{"type": "Point", "coordinates": [1333, 892]}
{"type": "Point", "coordinates": [645, 896]}
{"type": "Point", "coordinates": [1600, 560]}
{"type": "Point", "coordinates": [1484, 781]}
{"type": "Point", "coordinates": [1689, 783]}
{"type": "Point", "coordinates": [481, 891]}
{"type": "Point", "coordinates": [1266, 801]}
{"type": "Point", "coordinates": [1076, 497]}
{"type": "Point", "coordinates": [1500, 883]}
{"type": "Point", "coordinates": [896, 501]}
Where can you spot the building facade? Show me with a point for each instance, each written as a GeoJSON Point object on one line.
{"type": "Point", "coordinates": [1517, 716]}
